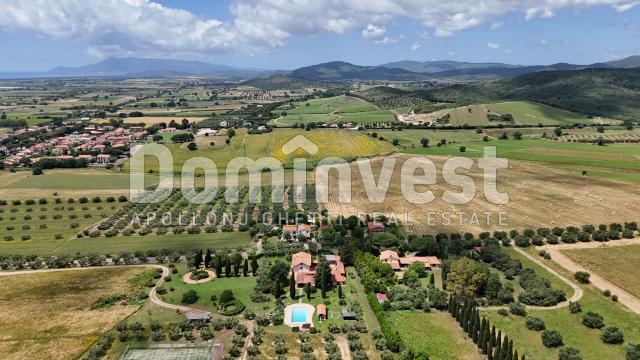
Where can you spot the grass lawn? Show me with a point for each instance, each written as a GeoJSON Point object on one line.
{"type": "Point", "coordinates": [48, 315]}
{"type": "Point", "coordinates": [616, 264]}
{"type": "Point", "coordinates": [569, 325]}
{"type": "Point", "coordinates": [114, 245]}
{"type": "Point", "coordinates": [436, 334]}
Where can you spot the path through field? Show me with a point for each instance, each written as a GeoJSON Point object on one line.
{"type": "Point", "coordinates": [343, 345]}
{"type": "Point", "coordinates": [625, 298]}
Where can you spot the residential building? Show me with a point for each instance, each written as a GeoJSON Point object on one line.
{"type": "Point", "coordinates": [399, 264]}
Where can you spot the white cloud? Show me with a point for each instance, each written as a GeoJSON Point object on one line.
{"type": "Point", "coordinates": [543, 42]}
{"type": "Point", "coordinates": [389, 40]}
{"type": "Point", "coordinates": [372, 32]}
{"type": "Point", "coordinates": [625, 7]}
{"type": "Point", "coordinates": [416, 46]}
{"type": "Point", "coordinates": [493, 46]}
{"type": "Point", "coordinates": [496, 25]}
{"type": "Point", "coordinates": [121, 27]}
{"type": "Point", "coordinates": [423, 35]}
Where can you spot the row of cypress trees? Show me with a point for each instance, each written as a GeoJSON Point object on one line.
{"type": "Point", "coordinates": [490, 341]}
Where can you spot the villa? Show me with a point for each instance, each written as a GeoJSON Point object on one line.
{"type": "Point", "coordinates": [304, 269]}
{"type": "Point", "coordinates": [296, 230]}
{"type": "Point", "coordinates": [399, 264]}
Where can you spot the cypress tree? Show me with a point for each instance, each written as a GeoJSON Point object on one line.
{"type": "Point", "coordinates": [476, 329]}
{"type": "Point", "coordinates": [197, 260]}
{"type": "Point", "coordinates": [509, 353]}
{"type": "Point", "coordinates": [505, 346]}
{"type": "Point", "coordinates": [254, 265]}
{"type": "Point", "coordinates": [480, 342]}
{"type": "Point", "coordinates": [307, 289]}
{"type": "Point", "coordinates": [523, 357]}
{"type": "Point", "coordinates": [207, 259]}
{"type": "Point", "coordinates": [292, 287]}
{"type": "Point", "coordinates": [515, 355]}
{"type": "Point", "coordinates": [497, 351]}
{"type": "Point", "coordinates": [245, 267]}
{"type": "Point", "coordinates": [490, 355]}
{"type": "Point", "coordinates": [340, 295]}
{"type": "Point", "coordinates": [227, 268]}
{"type": "Point", "coordinates": [492, 343]}
{"type": "Point", "coordinates": [218, 265]}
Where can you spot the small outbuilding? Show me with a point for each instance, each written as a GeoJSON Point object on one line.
{"type": "Point", "coordinates": [381, 297]}
{"type": "Point", "coordinates": [322, 312]}
{"type": "Point", "coordinates": [348, 315]}
{"type": "Point", "coordinates": [198, 316]}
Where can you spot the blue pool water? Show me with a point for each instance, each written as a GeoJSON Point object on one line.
{"type": "Point", "coordinates": [298, 315]}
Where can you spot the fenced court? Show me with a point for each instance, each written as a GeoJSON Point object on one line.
{"type": "Point", "coordinates": [174, 353]}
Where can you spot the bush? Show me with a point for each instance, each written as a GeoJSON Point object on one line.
{"type": "Point", "coordinates": [190, 297]}
{"type": "Point", "coordinates": [612, 335]}
{"type": "Point", "coordinates": [593, 320]}
{"type": "Point", "coordinates": [606, 293]}
{"type": "Point", "coordinates": [503, 312]}
{"type": "Point", "coordinates": [582, 277]}
{"type": "Point", "coordinates": [569, 353]}
{"type": "Point", "coordinates": [575, 308]}
{"type": "Point", "coordinates": [517, 309]}
{"type": "Point", "coordinates": [551, 338]}
{"type": "Point", "coordinates": [633, 352]}
{"type": "Point", "coordinates": [534, 323]}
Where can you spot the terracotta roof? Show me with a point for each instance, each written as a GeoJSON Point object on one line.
{"type": "Point", "coordinates": [322, 310]}
{"type": "Point", "coordinates": [289, 228]}
{"type": "Point", "coordinates": [387, 254]}
{"type": "Point", "coordinates": [301, 258]}
{"type": "Point", "coordinates": [382, 297]}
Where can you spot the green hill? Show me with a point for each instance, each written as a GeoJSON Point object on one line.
{"type": "Point", "coordinates": [610, 93]}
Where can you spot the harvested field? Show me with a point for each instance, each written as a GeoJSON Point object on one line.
{"type": "Point", "coordinates": [538, 197]}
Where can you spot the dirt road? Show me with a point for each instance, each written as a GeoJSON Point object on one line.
{"type": "Point", "coordinates": [625, 298]}
{"type": "Point", "coordinates": [577, 290]}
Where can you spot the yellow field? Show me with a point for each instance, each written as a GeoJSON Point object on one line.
{"type": "Point", "coordinates": [48, 315]}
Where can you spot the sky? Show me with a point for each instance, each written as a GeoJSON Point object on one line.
{"type": "Point", "coordinates": [37, 35]}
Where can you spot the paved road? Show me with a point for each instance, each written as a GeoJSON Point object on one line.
{"type": "Point", "coordinates": [625, 298]}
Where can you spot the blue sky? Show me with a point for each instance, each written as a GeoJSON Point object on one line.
{"type": "Point", "coordinates": [285, 34]}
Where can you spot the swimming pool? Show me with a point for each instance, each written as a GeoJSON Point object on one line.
{"type": "Point", "coordinates": [299, 315]}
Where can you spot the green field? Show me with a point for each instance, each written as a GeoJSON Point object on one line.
{"type": "Point", "coordinates": [77, 179]}
{"type": "Point", "coordinates": [114, 245]}
{"type": "Point", "coordinates": [335, 109]}
{"type": "Point", "coordinates": [523, 112]}
{"type": "Point", "coordinates": [618, 161]}
{"type": "Point", "coordinates": [569, 325]}
{"type": "Point", "coordinates": [436, 334]}
{"type": "Point", "coordinates": [616, 264]}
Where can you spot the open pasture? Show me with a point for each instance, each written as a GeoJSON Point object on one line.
{"type": "Point", "coordinates": [49, 315]}
{"type": "Point", "coordinates": [443, 339]}
{"type": "Point", "coordinates": [523, 113]}
{"type": "Point", "coordinates": [617, 156]}
{"type": "Point", "coordinates": [618, 265]}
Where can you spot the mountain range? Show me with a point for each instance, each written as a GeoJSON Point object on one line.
{"type": "Point", "coordinates": [153, 67]}
{"type": "Point", "coordinates": [330, 71]}
{"type": "Point", "coordinates": [415, 70]}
